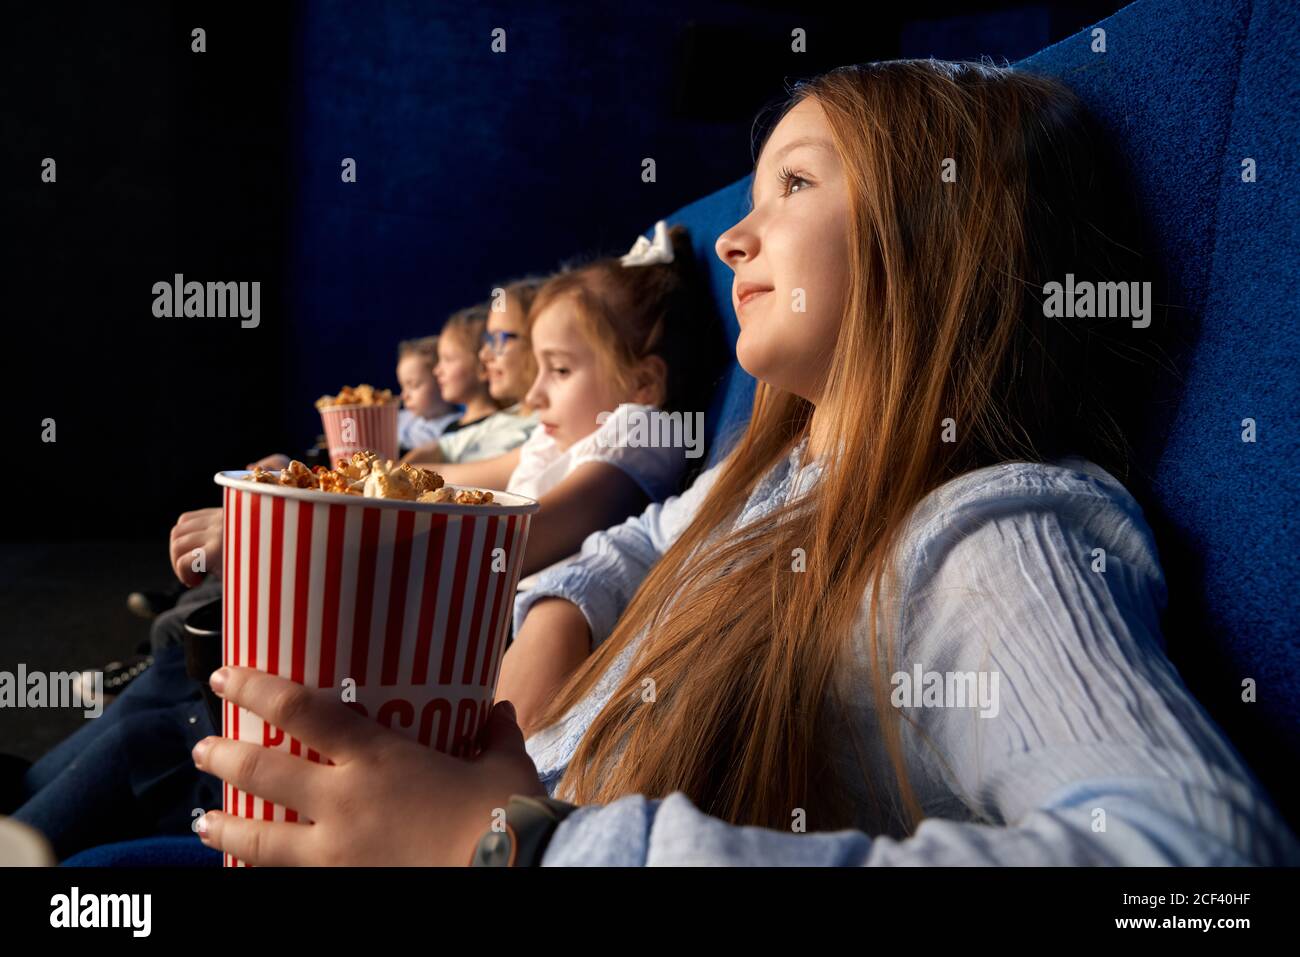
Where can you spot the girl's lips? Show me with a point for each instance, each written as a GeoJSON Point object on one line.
{"type": "Point", "coordinates": [751, 295]}
{"type": "Point", "coordinates": [548, 429]}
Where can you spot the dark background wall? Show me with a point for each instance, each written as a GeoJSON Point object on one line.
{"type": "Point", "coordinates": [168, 161]}
{"type": "Point", "coordinates": [473, 168]}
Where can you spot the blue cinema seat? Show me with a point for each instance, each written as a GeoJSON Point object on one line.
{"type": "Point", "coordinates": [1188, 90]}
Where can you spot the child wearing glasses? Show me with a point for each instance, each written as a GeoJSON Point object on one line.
{"type": "Point", "coordinates": [627, 351]}
{"type": "Point", "coordinates": [479, 366]}
{"type": "Point", "coordinates": [630, 339]}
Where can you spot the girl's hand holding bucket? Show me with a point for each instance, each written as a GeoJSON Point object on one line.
{"type": "Point", "coordinates": [385, 799]}
{"type": "Point", "coordinates": [393, 605]}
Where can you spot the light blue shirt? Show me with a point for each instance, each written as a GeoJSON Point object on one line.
{"type": "Point", "coordinates": [489, 437]}
{"type": "Point", "coordinates": [414, 431]}
{"type": "Point", "coordinates": [1097, 752]}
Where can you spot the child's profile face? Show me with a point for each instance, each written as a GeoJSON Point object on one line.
{"type": "Point", "coordinates": [420, 394]}
{"type": "Point", "coordinates": [571, 387]}
{"type": "Point", "coordinates": [791, 253]}
{"type": "Point", "coordinates": [459, 373]}
{"type": "Point", "coordinates": [511, 372]}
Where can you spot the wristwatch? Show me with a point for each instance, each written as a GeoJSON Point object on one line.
{"type": "Point", "coordinates": [530, 822]}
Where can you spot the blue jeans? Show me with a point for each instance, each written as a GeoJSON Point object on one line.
{"type": "Point", "coordinates": [127, 773]}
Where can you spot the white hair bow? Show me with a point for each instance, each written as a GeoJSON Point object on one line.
{"type": "Point", "coordinates": [647, 253]}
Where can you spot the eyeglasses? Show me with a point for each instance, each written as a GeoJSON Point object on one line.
{"type": "Point", "coordinates": [496, 341]}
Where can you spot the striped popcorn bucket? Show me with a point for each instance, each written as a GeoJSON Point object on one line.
{"type": "Point", "coordinates": [400, 610]}
{"type": "Point", "coordinates": [356, 428]}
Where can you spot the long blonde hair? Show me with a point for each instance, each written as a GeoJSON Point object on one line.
{"type": "Point", "coordinates": [943, 321]}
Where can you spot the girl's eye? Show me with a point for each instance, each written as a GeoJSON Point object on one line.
{"type": "Point", "coordinates": [560, 371]}
{"type": "Point", "coordinates": [788, 178]}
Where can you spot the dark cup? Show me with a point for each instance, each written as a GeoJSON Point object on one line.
{"type": "Point", "coordinates": [203, 652]}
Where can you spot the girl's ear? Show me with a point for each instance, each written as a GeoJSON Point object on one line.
{"type": "Point", "coordinates": [650, 381]}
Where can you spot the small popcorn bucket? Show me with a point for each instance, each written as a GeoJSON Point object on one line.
{"type": "Point", "coordinates": [356, 428]}
{"type": "Point", "coordinates": [398, 609]}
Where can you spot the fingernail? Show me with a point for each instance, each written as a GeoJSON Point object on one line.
{"type": "Point", "coordinates": [217, 680]}
{"type": "Point", "coordinates": [201, 826]}
{"type": "Point", "coordinates": [201, 750]}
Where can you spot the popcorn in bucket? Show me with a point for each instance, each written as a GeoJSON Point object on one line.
{"type": "Point", "coordinates": [375, 584]}
{"type": "Point", "coordinates": [359, 419]}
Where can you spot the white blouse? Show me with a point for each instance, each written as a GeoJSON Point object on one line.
{"type": "Point", "coordinates": [657, 470]}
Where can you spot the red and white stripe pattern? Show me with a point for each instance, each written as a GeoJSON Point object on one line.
{"type": "Point", "coordinates": [373, 428]}
{"type": "Point", "coordinates": [413, 606]}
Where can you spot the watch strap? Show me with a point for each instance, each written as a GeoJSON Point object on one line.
{"type": "Point", "coordinates": [530, 823]}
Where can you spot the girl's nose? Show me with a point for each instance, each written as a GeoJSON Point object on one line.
{"type": "Point", "coordinates": [737, 244]}
{"type": "Point", "coordinates": [536, 396]}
